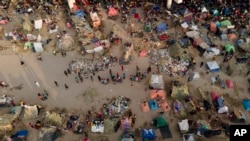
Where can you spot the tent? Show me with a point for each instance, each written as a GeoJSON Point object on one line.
{"type": "Point", "coordinates": [223, 110]}
{"type": "Point", "coordinates": [230, 84]}
{"type": "Point", "coordinates": [161, 27]}
{"type": "Point", "coordinates": [160, 122]}
{"type": "Point", "coordinates": [148, 134]}
{"type": "Point", "coordinates": [31, 112]}
{"type": "Point", "coordinates": [220, 102]}
{"type": "Point", "coordinates": [97, 126]}
{"type": "Point", "coordinates": [165, 106]}
{"type": "Point", "coordinates": [145, 107]}
{"type": "Point", "coordinates": [229, 48]}
{"type": "Point", "coordinates": [213, 66]}
{"type": "Point", "coordinates": [148, 27]}
{"type": "Point", "coordinates": [155, 94]}
{"type": "Point", "coordinates": [183, 11]}
{"type": "Point", "coordinates": [22, 133]}
{"type": "Point", "coordinates": [153, 105]}
{"type": "Point", "coordinates": [195, 76]}
{"type": "Point", "coordinates": [225, 23]}
{"type": "Point", "coordinates": [156, 82]}
{"type": "Point", "coordinates": [37, 47]}
{"type": "Point", "coordinates": [246, 104]}
{"type": "Point", "coordinates": [184, 42]}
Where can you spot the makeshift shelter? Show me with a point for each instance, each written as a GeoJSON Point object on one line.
{"type": "Point", "coordinates": [128, 136]}
{"type": "Point", "coordinates": [157, 94]}
{"type": "Point", "coordinates": [153, 105]}
{"type": "Point", "coordinates": [225, 23]}
{"type": "Point", "coordinates": [53, 119]}
{"type": "Point", "coordinates": [214, 96]}
{"type": "Point", "coordinates": [7, 119]}
{"type": "Point", "coordinates": [148, 27]}
{"type": "Point", "coordinates": [66, 42]}
{"type": "Point", "coordinates": [112, 12]}
{"type": "Point", "coordinates": [96, 22]}
{"type": "Point", "coordinates": [229, 48]}
{"type": "Point", "coordinates": [143, 53]}
{"type": "Point", "coordinates": [126, 124]}
{"type": "Point", "coordinates": [165, 106]}
{"type": "Point", "coordinates": [223, 110]}
{"type": "Point", "coordinates": [179, 91]}
{"type": "Point", "coordinates": [223, 37]}
{"type": "Point", "coordinates": [188, 137]}
{"type": "Point", "coordinates": [37, 47]}
{"type": "Point", "coordinates": [195, 76]}
{"type": "Point", "coordinates": [213, 66]}
{"type": "Point", "coordinates": [238, 116]}
{"type": "Point", "coordinates": [21, 133]}
{"type": "Point", "coordinates": [183, 126]}
{"type": "Point", "coordinates": [31, 112]}
{"type": "Point", "coordinates": [213, 27]}
{"type": "Point", "coordinates": [215, 12]}
{"type": "Point", "coordinates": [230, 84]}
{"type": "Point", "coordinates": [48, 134]}
{"type": "Point", "coordinates": [184, 42]}
{"type": "Point", "coordinates": [148, 134]}
{"type": "Point", "coordinates": [97, 126]}
{"type": "Point", "coordinates": [246, 104]}
{"type": "Point", "coordinates": [27, 26]}
{"type": "Point", "coordinates": [192, 34]}
{"type": "Point", "coordinates": [161, 27]}
{"type": "Point", "coordinates": [156, 82]}
{"type": "Point", "coordinates": [232, 36]}
{"type": "Point", "coordinates": [161, 123]}
{"type": "Point", "coordinates": [145, 107]}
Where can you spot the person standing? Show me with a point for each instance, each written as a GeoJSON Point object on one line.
{"type": "Point", "coordinates": [122, 67]}
{"type": "Point", "coordinates": [123, 75]}
{"type": "Point", "coordinates": [66, 86]}
{"type": "Point", "coordinates": [91, 77]}
{"type": "Point", "coordinates": [68, 70]}
{"type": "Point", "coordinates": [99, 78]}
{"type": "Point", "coordinates": [22, 63]}
{"type": "Point", "coordinates": [56, 83]}
{"type": "Point", "coordinates": [66, 73]}
{"type": "Point", "coordinates": [76, 78]}
{"type": "Point", "coordinates": [202, 63]}
{"type": "Point", "coordinates": [37, 84]}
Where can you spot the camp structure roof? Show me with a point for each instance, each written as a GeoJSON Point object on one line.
{"type": "Point", "coordinates": [156, 82]}
{"type": "Point", "coordinates": [48, 134]}
{"type": "Point", "coordinates": [148, 134]}
{"type": "Point", "coordinates": [30, 112]}
{"type": "Point", "coordinates": [160, 122]}
{"type": "Point", "coordinates": [53, 119]}
{"type": "Point", "coordinates": [154, 94]}
{"type": "Point", "coordinates": [229, 48]}
{"type": "Point", "coordinates": [179, 91]}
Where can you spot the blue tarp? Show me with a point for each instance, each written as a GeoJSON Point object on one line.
{"type": "Point", "coordinates": [183, 11]}
{"type": "Point", "coordinates": [161, 27]}
{"type": "Point", "coordinates": [152, 105]}
{"type": "Point", "coordinates": [148, 134]}
{"type": "Point", "coordinates": [246, 104]}
{"type": "Point", "coordinates": [156, 8]}
{"type": "Point", "coordinates": [79, 13]}
{"type": "Point", "coordinates": [184, 42]}
{"type": "Point", "coordinates": [22, 133]}
{"type": "Point", "coordinates": [94, 40]}
{"type": "Point", "coordinates": [220, 102]}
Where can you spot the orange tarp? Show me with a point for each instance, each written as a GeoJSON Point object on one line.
{"type": "Point", "coordinates": [232, 36]}
{"type": "Point", "coordinates": [145, 107]}
{"type": "Point", "coordinates": [112, 12]}
{"type": "Point", "coordinates": [75, 7]}
{"type": "Point", "coordinates": [143, 53]}
{"type": "Point", "coordinates": [156, 94]}
{"type": "Point", "coordinates": [165, 106]}
{"type": "Point", "coordinates": [213, 27]}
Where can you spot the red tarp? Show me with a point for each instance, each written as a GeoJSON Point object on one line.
{"type": "Point", "coordinates": [3, 22]}
{"type": "Point", "coordinates": [112, 11]}
{"type": "Point", "coordinates": [230, 84]}
{"type": "Point", "coordinates": [136, 16]}
{"type": "Point", "coordinates": [214, 96]}
{"type": "Point", "coordinates": [75, 8]}
{"type": "Point", "coordinates": [143, 53]}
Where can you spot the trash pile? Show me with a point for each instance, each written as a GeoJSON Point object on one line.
{"type": "Point", "coordinates": [116, 107]}
{"type": "Point", "coordinates": [165, 63]}
{"type": "Point", "coordinates": [82, 65]}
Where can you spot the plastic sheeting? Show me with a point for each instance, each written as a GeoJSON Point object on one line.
{"type": "Point", "coordinates": [183, 125]}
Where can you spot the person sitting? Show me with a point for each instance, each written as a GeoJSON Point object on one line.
{"type": "Point", "coordinates": [45, 96]}
{"type": "Point", "coordinates": [40, 96]}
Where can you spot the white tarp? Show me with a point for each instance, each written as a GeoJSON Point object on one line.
{"type": "Point", "coordinates": [208, 55]}
{"type": "Point", "coordinates": [178, 1]}
{"type": "Point", "coordinates": [98, 49]}
{"type": "Point", "coordinates": [31, 37]}
{"type": "Point", "coordinates": [183, 125]}
{"type": "Point", "coordinates": [38, 47]}
{"type": "Point", "coordinates": [169, 3]}
{"type": "Point", "coordinates": [38, 24]}
{"type": "Point", "coordinates": [71, 3]}
{"type": "Point", "coordinates": [157, 82]}
{"type": "Point", "coordinates": [94, 16]}
{"type": "Point", "coordinates": [184, 25]}
{"type": "Point", "coordinates": [195, 75]}
{"type": "Point", "coordinates": [223, 110]}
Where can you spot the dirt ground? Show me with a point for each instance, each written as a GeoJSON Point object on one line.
{"type": "Point", "coordinates": [52, 67]}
